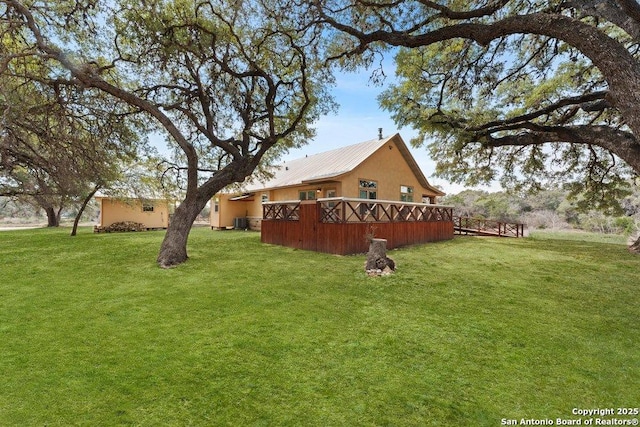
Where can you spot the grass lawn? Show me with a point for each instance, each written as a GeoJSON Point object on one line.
{"type": "Point", "coordinates": [466, 333]}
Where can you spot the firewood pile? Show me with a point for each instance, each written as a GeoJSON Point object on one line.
{"type": "Point", "coordinates": [120, 227]}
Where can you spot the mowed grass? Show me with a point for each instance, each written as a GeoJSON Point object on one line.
{"type": "Point", "coordinates": [466, 333]}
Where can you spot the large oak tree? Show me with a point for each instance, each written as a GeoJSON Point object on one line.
{"type": "Point", "coordinates": [528, 92]}
{"type": "Point", "coordinates": [58, 143]}
{"type": "Point", "coordinates": [230, 84]}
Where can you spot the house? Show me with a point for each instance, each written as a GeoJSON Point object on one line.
{"type": "Point", "coordinates": [381, 169]}
{"type": "Point", "coordinates": [152, 213]}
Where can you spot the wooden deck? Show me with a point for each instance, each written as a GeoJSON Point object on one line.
{"type": "Point", "coordinates": [341, 225]}
{"type": "Point", "coordinates": [485, 227]}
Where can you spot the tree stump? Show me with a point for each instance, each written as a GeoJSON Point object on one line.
{"type": "Point", "coordinates": [378, 263]}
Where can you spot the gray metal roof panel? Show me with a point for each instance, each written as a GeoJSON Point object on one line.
{"type": "Point", "coordinates": [323, 165]}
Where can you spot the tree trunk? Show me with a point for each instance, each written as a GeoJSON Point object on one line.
{"type": "Point", "coordinates": [634, 244]}
{"type": "Point", "coordinates": [377, 251]}
{"type": "Point", "coordinates": [173, 250]}
{"type": "Point", "coordinates": [174, 246]}
{"type": "Point", "coordinates": [53, 217]}
{"type": "Point", "coordinates": [377, 259]}
{"type": "Point", "coordinates": [85, 202]}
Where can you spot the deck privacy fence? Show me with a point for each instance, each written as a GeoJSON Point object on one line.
{"type": "Point", "coordinates": [341, 225]}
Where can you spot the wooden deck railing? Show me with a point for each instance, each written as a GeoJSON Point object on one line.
{"type": "Point", "coordinates": [342, 210]}
{"type": "Point", "coordinates": [464, 225]}
{"type": "Point", "coordinates": [285, 210]}
{"type": "Point", "coordinates": [340, 225]}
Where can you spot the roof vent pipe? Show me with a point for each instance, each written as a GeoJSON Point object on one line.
{"type": "Point", "coordinates": [379, 133]}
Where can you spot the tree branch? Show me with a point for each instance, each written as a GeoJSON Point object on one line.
{"type": "Point", "coordinates": [90, 78]}
{"type": "Point", "coordinates": [622, 144]}
{"type": "Point", "coordinates": [586, 102]}
{"type": "Point", "coordinates": [623, 13]}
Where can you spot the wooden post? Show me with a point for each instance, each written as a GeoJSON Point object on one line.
{"type": "Point", "coordinates": [309, 224]}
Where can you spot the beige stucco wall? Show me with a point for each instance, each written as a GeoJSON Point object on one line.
{"type": "Point", "coordinates": [293, 193]}
{"type": "Point", "coordinates": [386, 166]}
{"type": "Point", "coordinates": [115, 210]}
{"type": "Point", "coordinates": [227, 210]}
{"type": "Point", "coordinates": [389, 169]}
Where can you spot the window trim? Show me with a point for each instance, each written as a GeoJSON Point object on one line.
{"type": "Point", "coordinates": [406, 193]}
{"type": "Point", "coordinates": [370, 187]}
{"type": "Point", "coordinates": [307, 194]}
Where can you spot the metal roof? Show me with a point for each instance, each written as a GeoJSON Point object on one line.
{"type": "Point", "coordinates": [334, 163]}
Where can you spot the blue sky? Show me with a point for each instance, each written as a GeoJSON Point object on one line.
{"type": "Point", "coordinates": [358, 118]}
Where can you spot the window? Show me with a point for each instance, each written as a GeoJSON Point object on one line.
{"type": "Point", "coordinates": [307, 195]}
{"type": "Point", "coordinates": [147, 207]}
{"type": "Point", "coordinates": [368, 189]}
{"type": "Point", "coordinates": [216, 205]}
{"type": "Point", "coordinates": [264, 198]}
{"type": "Point", "coordinates": [331, 193]}
{"type": "Point", "coordinates": [406, 193]}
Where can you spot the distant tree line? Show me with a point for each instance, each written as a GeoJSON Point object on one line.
{"type": "Point", "coordinates": [25, 210]}
{"type": "Point", "coordinates": [547, 209]}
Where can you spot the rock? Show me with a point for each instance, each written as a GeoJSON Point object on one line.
{"type": "Point", "coordinates": [387, 271]}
